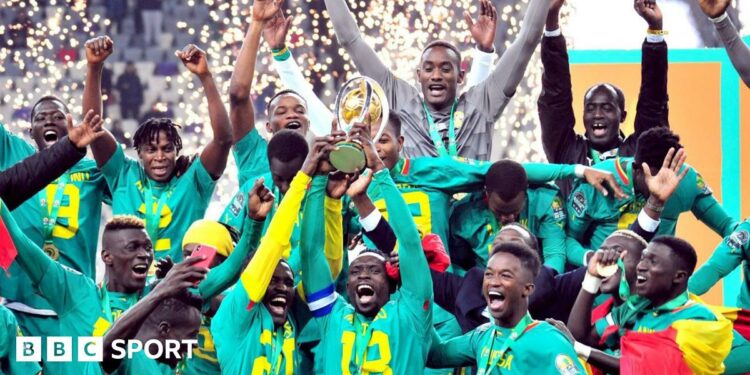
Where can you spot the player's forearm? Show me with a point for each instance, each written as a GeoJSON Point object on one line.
{"type": "Point", "coordinates": [704, 278]}
{"type": "Point", "coordinates": [708, 210]}
{"type": "Point", "coordinates": [291, 76]}
{"type": "Point", "coordinates": [224, 275]}
{"type": "Point", "coordinates": [257, 275]}
{"type": "Point", "coordinates": [216, 153]}
{"type": "Point", "coordinates": [608, 363]}
{"type": "Point", "coordinates": [554, 251]}
{"type": "Point", "coordinates": [651, 110]}
{"type": "Point", "coordinates": [579, 321]}
{"type": "Point", "coordinates": [480, 68]}
{"type": "Point", "coordinates": [127, 327]}
{"type": "Point", "coordinates": [316, 274]}
{"type": "Point", "coordinates": [455, 352]}
{"type": "Point", "coordinates": [512, 65]}
{"type": "Point", "coordinates": [541, 173]}
{"type": "Point", "coordinates": [32, 260]}
{"type": "Point", "coordinates": [723, 260]}
{"type": "Point", "coordinates": [413, 263]}
{"type": "Point", "coordinates": [334, 235]}
{"type": "Point", "coordinates": [240, 103]}
{"type": "Point", "coordinates": [104, 146]}
{"type": "Point", "coordinates": [574, 251]}
{"type": "Point", "coordinates": [738, 51]}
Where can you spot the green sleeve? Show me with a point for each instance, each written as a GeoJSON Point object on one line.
{"type": "Point", "coordinates": [726, 257]}
{"type": "Point", "coordinates": [708, 210]}
{"type": "Point", "coordinates": [250, 156]}
{"type": "Point", "coordinates": [55, 282]}
{"type": "Point", "coordinates": [415, 272]}
{"type": "Point", "coordinates": [8, 333]}
{"type": "Point", "coordinates": [449, 174]}
{"type": "Point", "coordinates": [457, 352]}
{"type": "Point", "coordinates": [225, 274]}
{"type": "Point", "coordinates": [574, 251]}
{"type": "Point", "coordinates": [316, 274]}
{"type": "Point", "coordinates": [232, 319]}
{"type": "Point", "coordinates": [552, 233]}
{"type": "Point", "coordinates": [115, 168]}
{"type": "Point", "coordinates": [542, 173]}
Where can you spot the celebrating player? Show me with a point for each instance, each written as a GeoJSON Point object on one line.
{"type": "Point", "coordinates": [168, 198]}
{"type": "Point", "coordinates": [603, 104]}
{"type": "Point", "coordinates": [513, 342]}
{"type": "Point", "coordinates": [598, 216]}
{"type": "Point", "coordinates": [441, 122]}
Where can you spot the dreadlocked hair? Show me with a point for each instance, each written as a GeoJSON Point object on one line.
{"type": "Point", "coordinates": [149, 130]}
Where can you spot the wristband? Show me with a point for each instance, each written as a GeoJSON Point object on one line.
{"type": "Point", "coordinates": [647, 223]}
{"type": "Point", "coordinates": [553, 33]}
{"type": "Point", "coordinates": [580, 169]}
{"type": "Point", "coordinates": [281, 54]}
{"type": "Point", "coordinates": [654, 207]}
{"type": "Point", "coordinates": [583, 351]}
{"type": "Point", "coordinates": [719, 18]}
{"type": "Point", "coordinates": [654, 38]}
{"type": "Point", "coordinates": [656, 32]}
{"type": "Point", "coordinates": [591, 283]}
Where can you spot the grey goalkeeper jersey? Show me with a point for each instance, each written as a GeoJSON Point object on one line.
{"type": "Point", "coordinates": [478, 108]}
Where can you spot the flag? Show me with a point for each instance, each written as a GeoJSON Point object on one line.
{"type": "Point", "coordinates": [8, 250]}
{"type": "Point", "coordinates": [686, 347]}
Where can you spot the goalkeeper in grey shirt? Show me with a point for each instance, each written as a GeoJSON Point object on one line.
{"type": "Point", "coordinates": [738, 51]}
{"type": "Point", "coordinates": [437, 121]}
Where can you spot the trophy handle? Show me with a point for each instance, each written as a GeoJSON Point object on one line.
{"type": "Point", "coordinates": [368, 99]}
{"type": "Point", "coordinates": [385, 109]}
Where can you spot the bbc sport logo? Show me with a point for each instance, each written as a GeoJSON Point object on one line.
{"type": "Point", "coordinates": [91, 349]}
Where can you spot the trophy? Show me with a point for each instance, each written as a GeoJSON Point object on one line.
{"type": "Point", "coordinates": [360, 97]}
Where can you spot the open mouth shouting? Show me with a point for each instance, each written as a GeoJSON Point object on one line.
{"type": "Point", "coordinates": [495, 300]}
{"type": "Point", "coordinates": [293, 125]}
{"type": "Point", "coordinates": [599, 129]}
{"type": "Point", "coordinates": [51, 134]}
{"type": "Point", "coordinates": [365, 294]}
{"type": "Point", "coordinates": [436, 89]}
{"type": "Point", "coordinates": [278, 304]}
{"type": "Point", "coordinates": [140, 271]}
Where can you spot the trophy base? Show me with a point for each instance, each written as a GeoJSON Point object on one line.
{"type": "Point", "coordinates": [349, 158]}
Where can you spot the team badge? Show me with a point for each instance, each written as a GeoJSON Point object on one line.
{"type": "Point", "coordinates": [738, 239]}
{"type": "Point", "coordinates": [579, 203]}
{"type": "Point", "coordinates": [458, 120]}
{"type": "Point", "coordinates": [237, 203]}
{"type": "Point", "coordinates": [557, 209]}
{"type": "Point", "coordinates": [700, 183]}
{"type": "Point", "coordinates": [565, 365]}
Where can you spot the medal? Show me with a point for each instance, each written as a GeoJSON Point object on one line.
{"type": "Point", "coordinates": [51, 250]}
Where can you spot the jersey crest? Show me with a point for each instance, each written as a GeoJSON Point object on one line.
{"type": "Point", "coordinates": [579, 203]}
{"type": "Point", "coordinates": [738, 239]}
{"type": "Point", "coordinates": [565, 365]}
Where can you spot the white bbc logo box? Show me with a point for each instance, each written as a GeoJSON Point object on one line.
{"type": "Point", "coordinates": [59, 349]}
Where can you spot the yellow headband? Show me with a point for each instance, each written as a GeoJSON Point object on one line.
{"type": "Point", "coordinates": [210, 233]}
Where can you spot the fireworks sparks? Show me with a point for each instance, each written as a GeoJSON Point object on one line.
{"type": "Point", "coordinates": [54, 61]}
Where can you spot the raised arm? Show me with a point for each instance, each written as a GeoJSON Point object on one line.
{"type": "Point", "coordinates": [260, 201]}
{"type": "Point", "coordinates": [21, 181]}
{"type": "Point", "coordinates": [652, 108]}
{"type": "Point", "coordinates": [726, 257]}
{"type": "Point", "coordinates": [367, 61]}
{"type": "Point", "coordinates": [215, 154]}
{"type": "Point", "coordinates": [97, 51]}
{"type": "Point", "coordinates": [483, 33]}
{"type": "Point", "coordinates": [708, 210]}
{"type": "Point", "coordinates": [275, 32]}
{"type": "Point", "coordinates": [492, 94]}
{"type": "Point", "coordinates": [555, 104]}
{"type": "Point", "coordinates": [178, 280]}
{"type": "Point", "coordinates": [738, 51]}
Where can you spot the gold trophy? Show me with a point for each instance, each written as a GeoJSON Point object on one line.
{"type": "Point", "coordinates": [360, 97]}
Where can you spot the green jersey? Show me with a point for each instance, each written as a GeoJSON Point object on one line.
{"type": "Point", "coordinates": [141, 365]}
{"type": "Point", "coordinates": [71, 205]}
{"type": "Point", "coordinates": [592, 217]}
{"type": "Point", "coordinates": [82, 308]}
{"type": "Point", "coordinates": [204, 359]}
{"type": "Point", "coordinates": [250, 157]}
{"type": "Point", "coordinates": [731, 252]}
{"type": "Point", "coordinates": [397, 339]}
{"type": "Point", "coordinates": [173, 206]}
{"type": "Point", "coordinates": [532, 347]}
{"type": "Point", "coordinates": [474, 226]}
{"type": "Point", "coordinates": [8, 332]}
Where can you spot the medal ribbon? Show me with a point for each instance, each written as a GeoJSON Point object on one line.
{"type": "Point", "coordinates": [363, 333]}
{"type": "Point", "coordinates": [49, 214]}
{"type": "Point", "coordinates": [276, 348]}
{"type": "Point", "coordinates": [435, 135]}
{"type": "Point", "coordinates": [154, 216]}
{"type": "Point", "coordinates": [488, 362]}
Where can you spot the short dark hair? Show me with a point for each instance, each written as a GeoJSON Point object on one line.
{"type": "Point", "coordinates": [119, 222]}
{"type": "Point", "coordinates": [175, 309]}
{"type": "Point", "coordinates": [444, 44]}
{"type": "Point", "coordinates": [620, 96]}
{"type": "Point", "coordinates": [684, 252]}
{"type": "Point", "coordinates": [653, 145]}
{"type": "Point", "coordinates": [528, 257]}
{"type": "Point", "coordinates": [281, 93]}
{"type": "Point", "coordinates": [394, 122]}
{"type": "Point", "coordinates": [149, 130]}
{"type": "Point", "coordinates": [48, 98]}
{"type": "Point", "coordinates": [506, 178]}
{"type": "Point", "coordinates": [287, 145]}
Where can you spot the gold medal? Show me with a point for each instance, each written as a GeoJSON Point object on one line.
{"type": "Point", "coordinates": [606, 271]}
{"type": "Point", "coordinates": [51, 250]}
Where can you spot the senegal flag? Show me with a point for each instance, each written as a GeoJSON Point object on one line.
{"type": "Point", "coordinates": [686, 347]}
